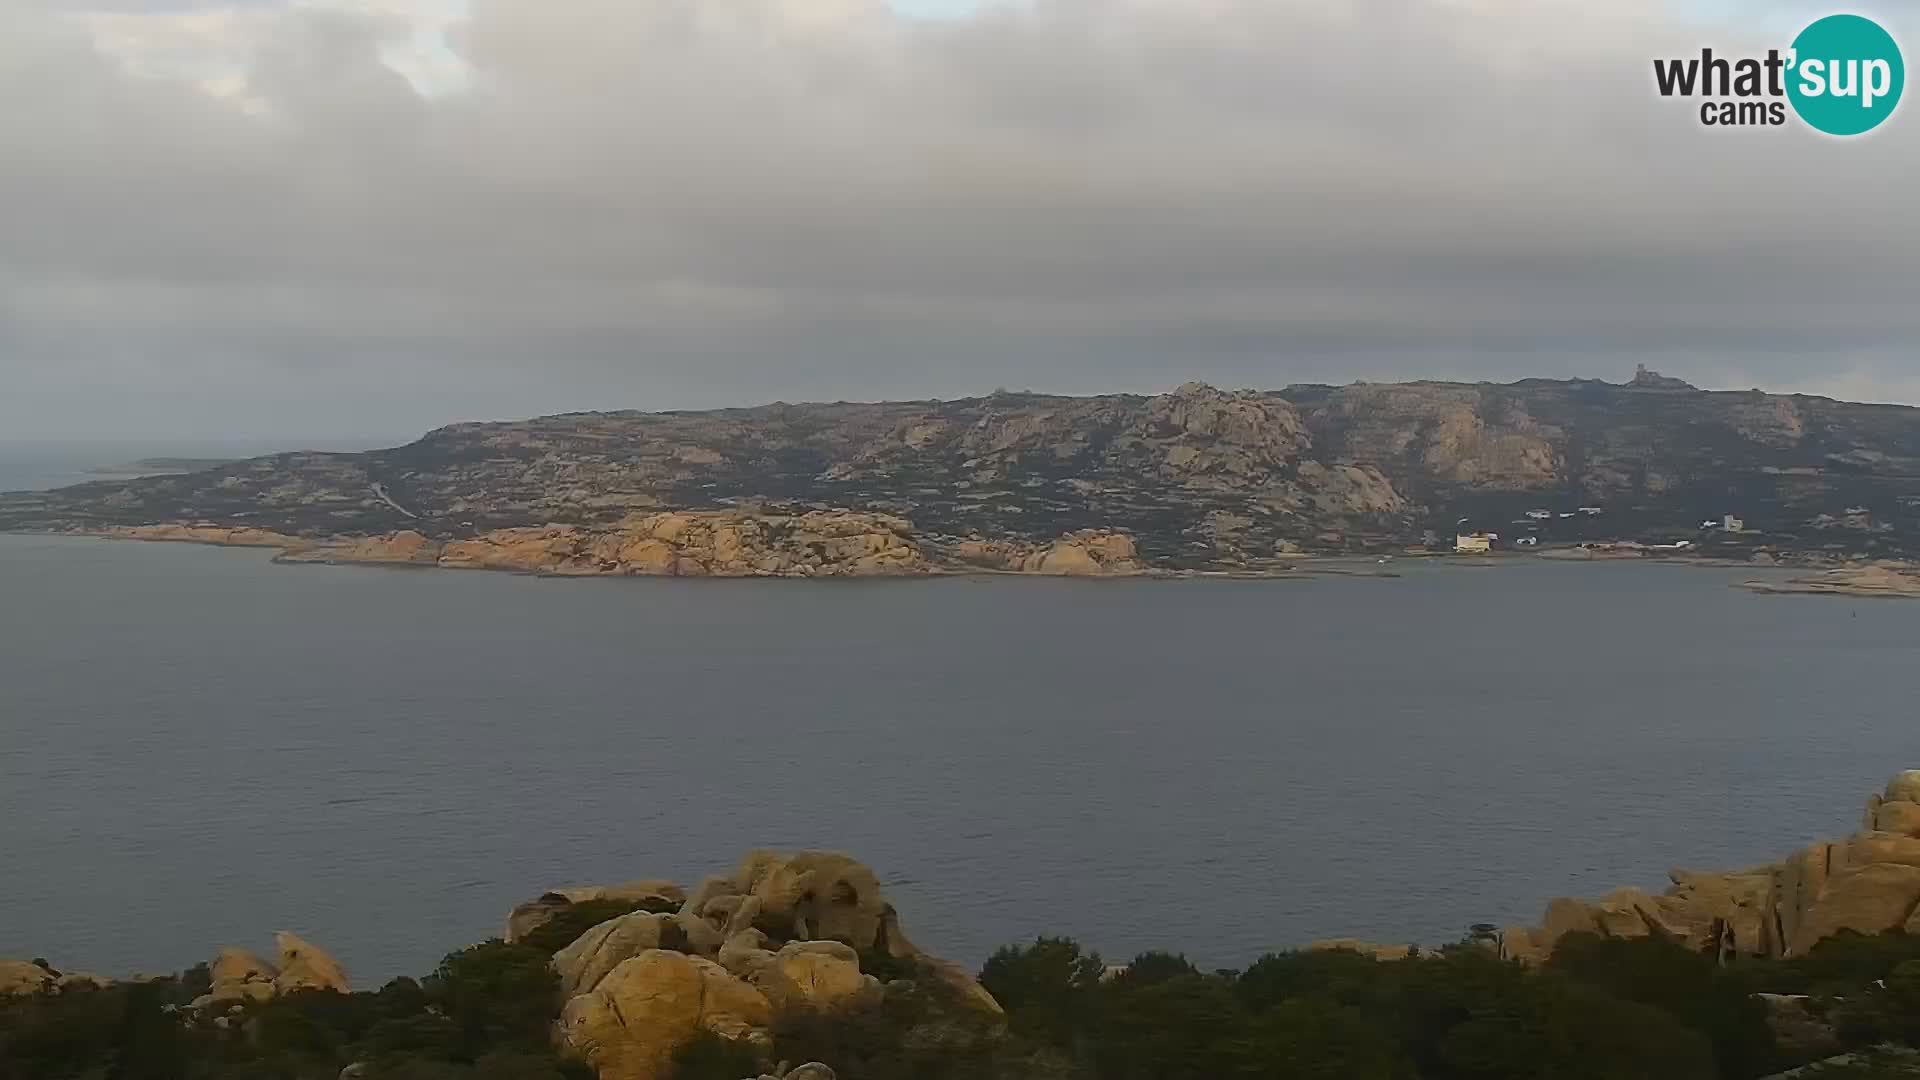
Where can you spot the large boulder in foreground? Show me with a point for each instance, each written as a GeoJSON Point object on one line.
{"type": "Point", "coordinates": [819, 975]}
{"type": "Point", "coordinates": [582, 965]}
{"type": "Point", "coordinates": [628, 1027]}
{"type": "Point", "coordinates": [1868, 883]}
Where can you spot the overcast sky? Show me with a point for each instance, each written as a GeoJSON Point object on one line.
{"type": "Point", "coordinates": [366, 218]}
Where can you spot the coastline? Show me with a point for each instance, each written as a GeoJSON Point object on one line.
{"type": "Point", "coordinates": [412, 551]}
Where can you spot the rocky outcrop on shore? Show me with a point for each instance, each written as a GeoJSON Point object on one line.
{"type": "Point", "coordinates": [781, 932]}
{"type": "Point", "coordinates": [1086, 553]}
{"type": "Point", "coordinates": [1868, 883]}
{"type": "Point", "coordinates": [217, 535]}
{"type": "Point", "coordinates": [240, 976]}
{"type": "Point", "coordinates": [710, 544]}
{"type": "Point", "coordinates": [715, 544]}
{"type": "Point", "coordinates": [1874, 581]}
{"type": "Point", "coordinates": [20, 978]}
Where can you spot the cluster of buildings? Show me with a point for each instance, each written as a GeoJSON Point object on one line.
{"type": "Point", "coordinates": [1479, 543]}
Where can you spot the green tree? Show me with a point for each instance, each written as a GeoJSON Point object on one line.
{"type": "Point", "coordinates": [1046, 988]}
{"type": "Point", "coordinates": [1686, 985]}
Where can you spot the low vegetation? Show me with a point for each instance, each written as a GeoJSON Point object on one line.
{"type": "Point", "coordinates": [1599, 1010]}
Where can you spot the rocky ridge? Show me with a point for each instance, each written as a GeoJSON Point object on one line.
{"type": "Point", "coordinates": [1196, 478]}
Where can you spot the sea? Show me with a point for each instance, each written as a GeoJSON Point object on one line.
{"type": "Point", "coordinates": [199, 747]}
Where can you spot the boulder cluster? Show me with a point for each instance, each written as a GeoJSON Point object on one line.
{"type": "Point", "coordinates": [1086, 553]}
{"type": "Point", "coordinates": [1868, 883]}
{"type": "Point", "coordinates": [782, 932]}
{"type": "Point", "coordinates": [20, 978]}
{"type": "Point", "coordinates": [239, 976]}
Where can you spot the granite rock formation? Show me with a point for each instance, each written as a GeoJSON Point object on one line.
{"type": "Point", "coordinates": [781, 932]}
{"type": "Point", "coordinates": [1868, 883]}
{"type": "Point", "coordinates": [240, 976]}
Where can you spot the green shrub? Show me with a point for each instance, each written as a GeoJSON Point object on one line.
{"type": "Point", "coordinates": [1686, 985]}
{"type": "Point", "coordinates": [497, 994]}
{"type": "Point", "coordinates": [709, 1057]}
{"type": "Point", "coordinates": [1155, 967]}
{"type": "Point", "coordinates": [1046, 988]}
{"type": "Point", "coordinates": [887, 967]}
{"type": "Point", "coordinates": [564, 928]}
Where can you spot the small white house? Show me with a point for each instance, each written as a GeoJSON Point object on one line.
{"type": "Point", "coordinates": [1733, 524]}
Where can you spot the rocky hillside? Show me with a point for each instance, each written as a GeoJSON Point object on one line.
{"type": "Point", "coordinates": [1198, 477]}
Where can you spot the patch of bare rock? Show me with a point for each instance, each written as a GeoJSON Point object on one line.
{"type": "Point", "coordinates": [1868, 883]}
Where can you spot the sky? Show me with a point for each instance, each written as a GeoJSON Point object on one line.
{"type": "Point", "coordinates": [366, 218]}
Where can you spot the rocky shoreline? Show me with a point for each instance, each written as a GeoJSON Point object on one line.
{"type": "Point", "coordinates": [717, 544]}
{"type": "Point", "coordinates": [851, 544]}
{"type": "Point", "coordinates": [1875, 581]}
{"type": "Point", "coordinates": [647, 976]}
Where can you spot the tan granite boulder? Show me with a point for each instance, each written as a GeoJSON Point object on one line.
{"type": "Point", "coordinates": [1867, 899]}
{"type": "Point", "coordinates": [815, 894]}
{"type": "Point", "coordinates": [1897, 817]}
{"type": "Point", "coordinates": [1364, 948]}
{"type": "Point", "coordinates": [1904, 787]}
{"type": "Point", "coordinates": [820, 975]}
{"type": "Point", "coordinates": [628, 1027]}
{"type": "Point", "coordinates": [19, 978]}
{"type": "Point", "coordinates": [584, 963]}
{"type": "Point", "coordinates": [745, 953]}
{"type": "Point", "coordinates": [305, 966]}
{"type": "Point", "coordinates": [239, 976]}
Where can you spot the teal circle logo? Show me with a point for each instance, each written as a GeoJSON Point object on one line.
{"type": "Point", "coordinates": [1846, 75]}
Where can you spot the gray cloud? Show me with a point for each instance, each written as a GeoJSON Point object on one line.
{"type": "Point", "coordinates": [243, 218]}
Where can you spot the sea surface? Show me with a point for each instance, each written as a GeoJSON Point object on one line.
{"type": "Point", "coordinates": [198, 747]}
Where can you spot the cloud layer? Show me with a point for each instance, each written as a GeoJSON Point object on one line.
{"type": "Point", "coordinates": [370, 217]}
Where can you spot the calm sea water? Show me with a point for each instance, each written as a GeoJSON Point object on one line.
{"type": "Point", "coordinates": [198, 747]}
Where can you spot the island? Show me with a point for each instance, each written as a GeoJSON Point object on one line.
{"type": "Point", "coordinates": [1195, 480]}
{"type": "Point", "coordinates": [796, 966]}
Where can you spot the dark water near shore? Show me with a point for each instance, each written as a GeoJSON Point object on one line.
{"type": "Point", "coordinates": [198, 747]}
